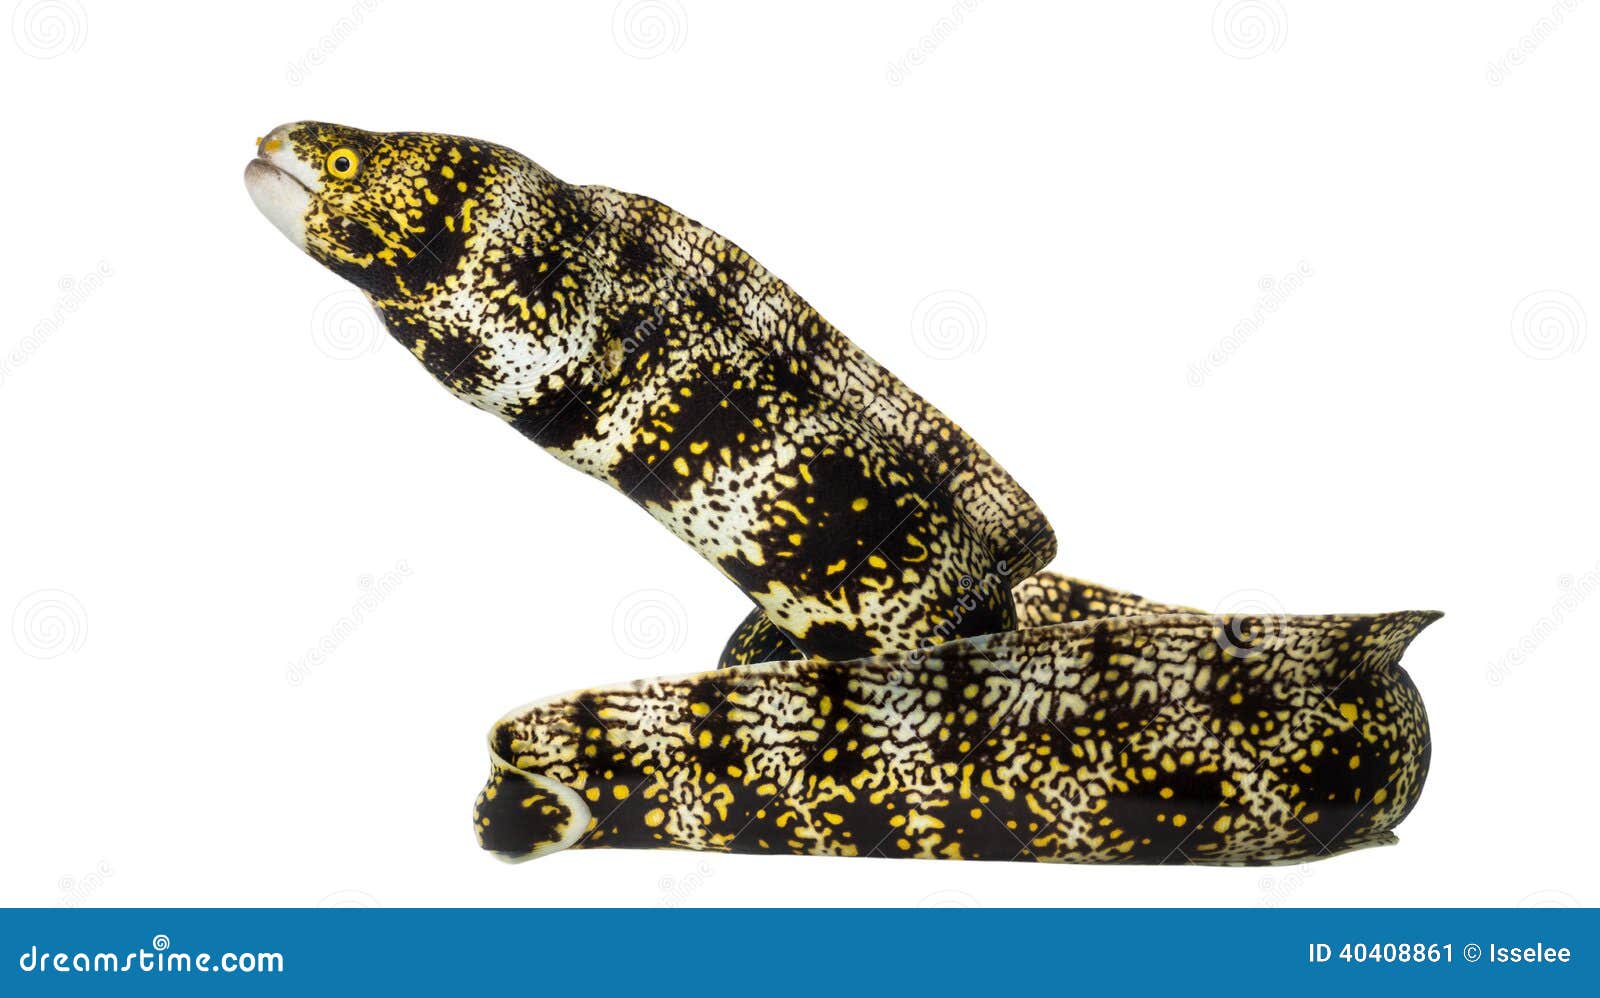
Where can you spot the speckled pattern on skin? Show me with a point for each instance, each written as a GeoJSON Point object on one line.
{"type": "Point", "coordinates": [911, 682]}
{"type": "Point", "coordinates": [1044, 598]}
{"type": "Point", "coordinates": [649, 352]}
{"type": "Point", "coordinates": [1181, 738]}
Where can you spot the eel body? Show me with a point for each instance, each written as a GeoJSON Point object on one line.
{"type": "Point", "coordinates": [910, 682]}
{"type": "Point", "coordinates": [649, 352]}
{"type": "Point", "coordinates": [1118, 735]}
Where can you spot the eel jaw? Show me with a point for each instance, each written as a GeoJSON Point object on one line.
{"type": "Point", "coordinates": [281, 197]}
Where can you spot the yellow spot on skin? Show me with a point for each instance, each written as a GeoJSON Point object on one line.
{"type": "Point", "coordinates": [593, 793]}
{"type": "Point", "coordinates": [838, 566]}
{"type": "Point", "coordinates": [1178, 820]}
{"type": "Point", "coordinates": [1381, 796]}
{"type": "Point", "coordinates": [619, 792]}
{"type": "Point", "coordinates": [859, 505]}
{"type": "Point", "coordinates": [1350, 712]}
{"type": "Point", "coordinates": [680, 466]}
{"type": "Point", "coordinates": [654, 817]}
{"type": "Point", "coordinates": [1223, 823]}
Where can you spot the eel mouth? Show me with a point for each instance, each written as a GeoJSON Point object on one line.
{"type": "Point", "coordinates": [281, 196]}
{"type": "Point", "coordinates": [261, 163]}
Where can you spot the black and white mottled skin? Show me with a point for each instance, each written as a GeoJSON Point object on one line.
{"type": "Point", "coordinates": [910, 682]}
{"type": "Point", "coordinates": [1128, 732]}
{"type": "Point", "coordinates": [653, 354]}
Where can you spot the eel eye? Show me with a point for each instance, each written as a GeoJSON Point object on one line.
{"type": "Point", "coordinates": [343, 163]}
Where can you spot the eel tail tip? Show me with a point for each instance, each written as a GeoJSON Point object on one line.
{"type": "Point", "coordinates": [520, 816]}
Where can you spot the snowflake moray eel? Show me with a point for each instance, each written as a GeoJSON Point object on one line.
{"type": "Point", "coordinates": [911, 681]}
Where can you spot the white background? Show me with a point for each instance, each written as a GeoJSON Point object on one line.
{"type": "Point", "coordinates": [208, 453]}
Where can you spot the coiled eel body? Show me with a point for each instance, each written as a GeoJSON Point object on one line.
{"type": "Point", "coordinates": [1179, 737]}
{"type": "Point", "coordinates": [910, 682]}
